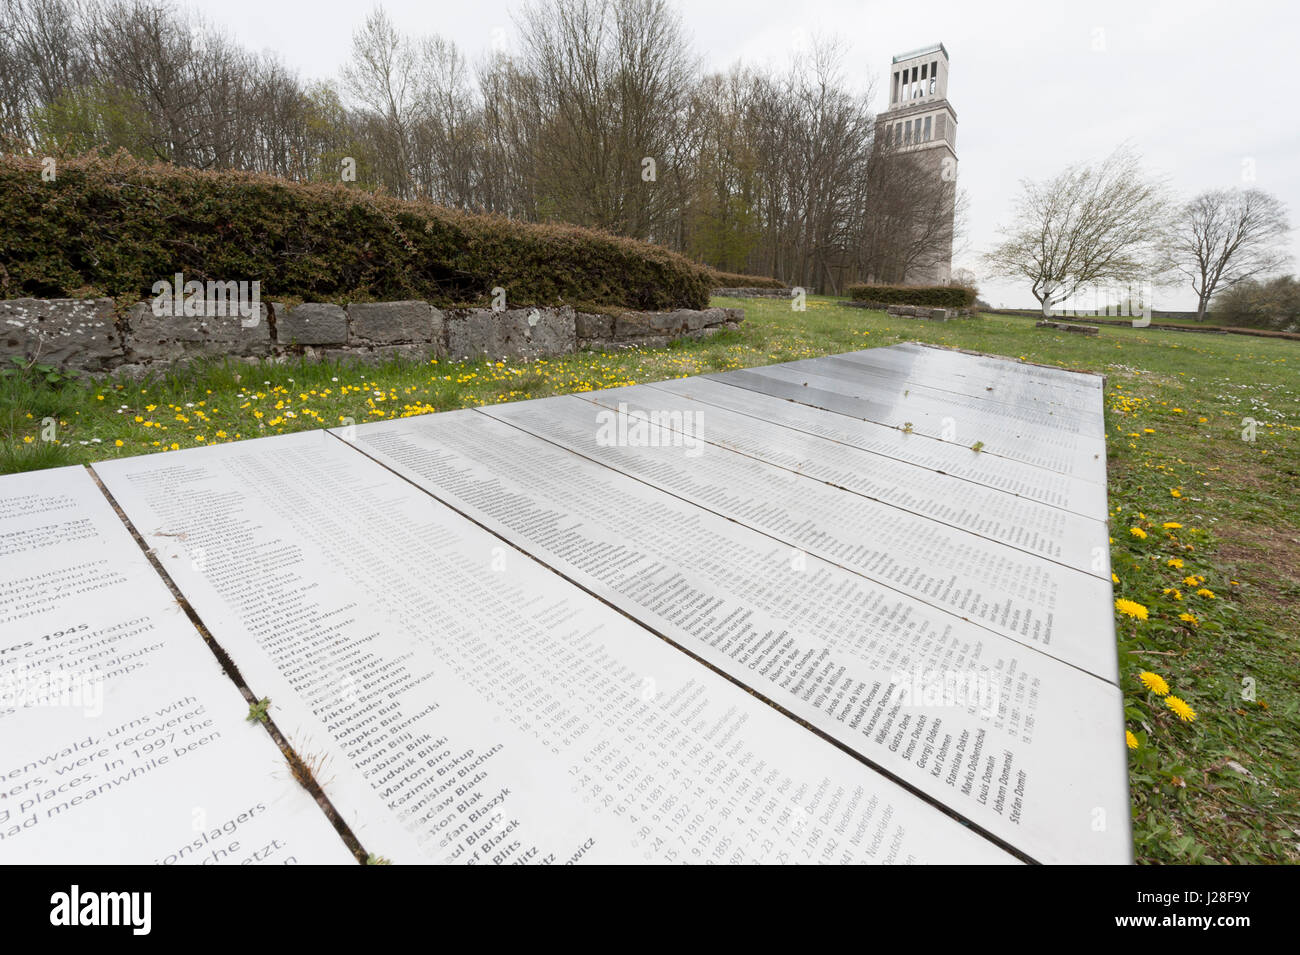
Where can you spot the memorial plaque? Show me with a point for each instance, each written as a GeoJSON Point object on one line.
{"type": "Point", "coordinates": [956, 372]}
{"type": "Point", "coordinates": [1040, 445]}
{"type": "Point", "coordinates": [902, 371]}
{"type": "Point", "coordinates": [123, 740]}
{"type": "Point", "coordinates": [1018, 401]}
{"type": "Point", "coordinates": [1024, 746]}
{"type": "Point", "coordinates": [947, 360]}
{"type": "Point", "coordinates": [470, 705]}
{"type": "Point", "coordinates": [1014, 477]}
{"type": "Point", "coordinates": [1017, 407]}
{"type": "Point", "coordinates": [1033, 601]}
{"type": "Point", "coordinates": [1038, 529]}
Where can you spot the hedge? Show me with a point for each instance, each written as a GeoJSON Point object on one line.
{"type": "Point", "coordinates": [935, 296]}
{"type": "Point", "coordinates": [737, 280]}
{"type": "Point", "coordinates": [116, 226]}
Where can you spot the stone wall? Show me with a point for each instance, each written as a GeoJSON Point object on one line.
{"type": "Point", "coordinates": [1070, 327]}
{"type": "Point", "coordinates": [89, 334]}
{"type": "Point", "coordinates": [653, 329]}
{"type": "Point", "coordinates": [914, 311]}
{"type": "Point", "coordinates": [753, 292]}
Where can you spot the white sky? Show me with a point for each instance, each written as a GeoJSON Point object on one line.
{"type": "Point", "coordinates": [1202, 89]}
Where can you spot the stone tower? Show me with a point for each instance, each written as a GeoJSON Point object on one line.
{"type": "Point", "coordinates": [920, 121]}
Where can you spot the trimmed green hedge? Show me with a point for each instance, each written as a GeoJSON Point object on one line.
{"type": "Point", "coordinates": [935, 296]}
{"type": "Point", "coordinates": [737, 280]}
{"type": "Point", "coordinates": [115, 226]}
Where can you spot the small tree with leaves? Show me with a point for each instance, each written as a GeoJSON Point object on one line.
{"type": "Point", "coordinates": [1094, 224]}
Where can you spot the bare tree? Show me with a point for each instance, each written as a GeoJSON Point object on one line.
{"type": "Point", "coordinates": [382, 78]}
{"type": "Point", "coordinates": [1091, 225]}
{"type": "Point", "coordinates": [611, 79]}
{"type": "Point", "coordinates": [912, 214]}
{"type": "Point", "coordinates": [1226, 236]}
{"type": "Point", "coordinates": [603, 120]}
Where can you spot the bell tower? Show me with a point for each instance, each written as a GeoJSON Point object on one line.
{"type": "Point", "coordinates": [920, 121]}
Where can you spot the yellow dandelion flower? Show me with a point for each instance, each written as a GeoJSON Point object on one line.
{"type": "Point", "coordinates": [1174, 492]}
{"type": "Point", "coordinates": [1154, 682]}
{"type": "Point", "coordinates": [118, 443]}
{"type": "Point", "coordinates": [1138, 532]}
{"type": "Point", "coordinates": [1203, 592]}
{"type": "Point", "coordinates": [1114, 579]}
{"type": "Point", "coordinates": [1175, 563]}
{"type": "Point", "coordinates": [1130, 740]}
{"type": "Point", "coordinates": [1131, 608]}
{"type": "Point", "coordinates": [1171, 525]}
{"type": "Point", "coordinates": [1180, 709]}
{"type": "Point", "coordinates": [1188, 618]}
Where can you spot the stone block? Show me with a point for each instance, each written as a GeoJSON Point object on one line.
{"type": "Point", "coordinates": [313, 323]}
{"type": "Point", "coordinates": [513, 333]}
{"type": "Point", "coordinates": [591, 326]}
{"type": "Point", "coordinates": [630, 325]}
{"type": "Point", "coordinates": [153, 337]}
{"type": "Point", "coordinates": [391, 322]}
{"type": "Point", "coordinates": [1069, 327]}
{"type": "Point", "coordinates": [359, 355]}
{"type": "Point", "coordinates": [70, 332]}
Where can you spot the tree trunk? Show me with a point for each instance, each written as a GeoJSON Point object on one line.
{"type": "Point", "coordinates": [1202, 303]}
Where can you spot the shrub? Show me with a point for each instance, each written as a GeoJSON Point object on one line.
{"type": "Point", "coordinates": [1272, 304]}
{"type": "Point", "coordinates": [737, 280]}
{"type": "Point", "coordinates": [935, 296]}
{"type": "Point", "coordinates": [115, 226]}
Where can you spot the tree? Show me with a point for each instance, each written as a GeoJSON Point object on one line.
{"type": "Point", "coordinates": [382, 77]}
{"type": "Point", "coordinates": [1226, 236]}
{"type": "Point", "coordinates": [912, 214]}
{"type": "Point", "coordinates": [1094, 224]}
{"type": "Point", "coordinates": [1274, 304]}
{"type": "Point", "coordinates": [611, 79]}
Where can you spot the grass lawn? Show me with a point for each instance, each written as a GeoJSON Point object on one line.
{"type": "Point", "coordinates": [1205, 515]}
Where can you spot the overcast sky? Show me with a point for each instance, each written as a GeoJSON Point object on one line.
{"type": "Point", "coordinates": [1205, 91]}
